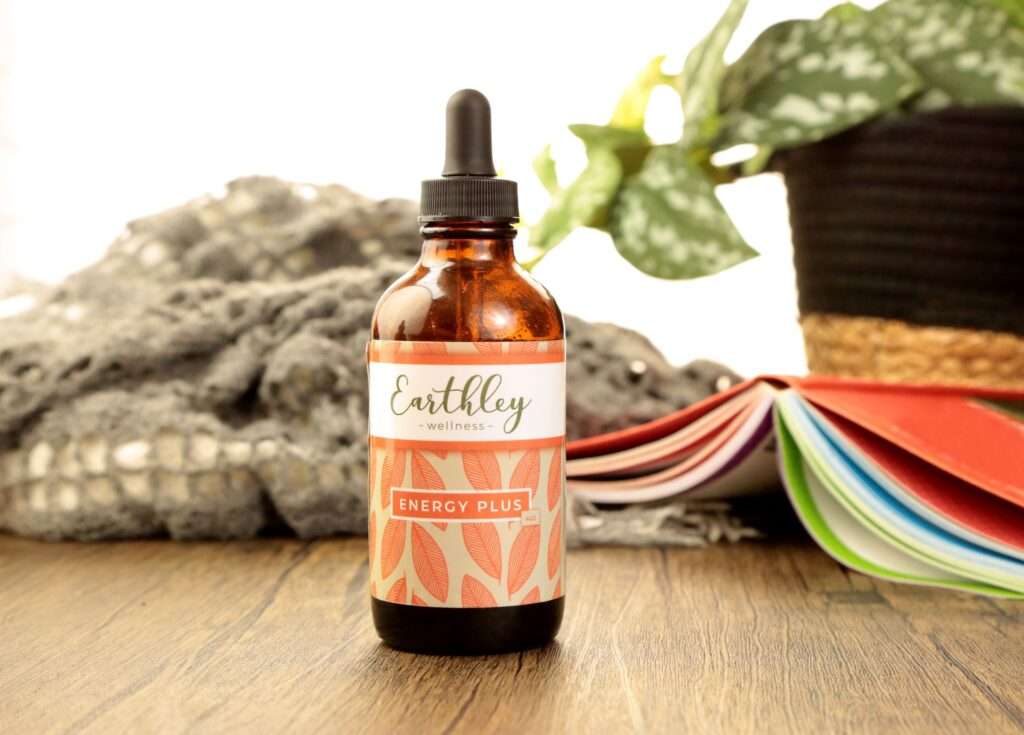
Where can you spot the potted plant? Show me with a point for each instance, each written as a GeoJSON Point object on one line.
{"type": "Point", "coordinates": [900, 134]}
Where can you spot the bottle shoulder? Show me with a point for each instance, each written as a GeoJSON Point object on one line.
{"type": "Point", "coordinates": [467, 302]}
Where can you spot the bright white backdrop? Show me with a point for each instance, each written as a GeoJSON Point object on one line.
{"type": "Point", "coordinates": [119, 109]}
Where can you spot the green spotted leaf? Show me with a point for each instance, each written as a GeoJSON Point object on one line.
{"type": "Point", "coordinates": [631, 146]}
{"type": "Point", "coordinates": [1013, 8]}
{"type": "Point", "coordinates": [609, 136]}
{"type": "Point", "coordinates": [969, 52]}
{"type": "Point", "coordinates": [802, 81]}
{"type": "Point", "coordinates": [631, 110]}
{"type": "Point", "coordinates": [668, 222]}
{"type": "Point", "coordinates": [701, 76]}
{"type": "Point", "coordinates": [580, 203]}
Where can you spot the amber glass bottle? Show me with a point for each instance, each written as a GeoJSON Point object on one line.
{"type": "Point", "coordinates": [467, 487]}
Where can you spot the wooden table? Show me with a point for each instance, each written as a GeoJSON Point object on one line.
{"type": "Point", "coordinates": [275, 635]}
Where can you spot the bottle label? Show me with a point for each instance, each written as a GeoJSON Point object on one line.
{"type": "Point", "coordinates": [467, 472]}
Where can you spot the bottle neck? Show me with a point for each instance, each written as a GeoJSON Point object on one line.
{"type": "Point", "coordinates": [467, 241]}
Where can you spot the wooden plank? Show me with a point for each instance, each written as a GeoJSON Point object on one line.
{"type": "Point", "coordinates": [275, 635]}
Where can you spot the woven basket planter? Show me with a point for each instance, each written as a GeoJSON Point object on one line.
{"type": "Point", "coordinates": [908, 237]}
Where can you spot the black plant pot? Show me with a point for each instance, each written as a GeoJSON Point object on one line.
{"type": "Point", "coordinates": [908, 237]}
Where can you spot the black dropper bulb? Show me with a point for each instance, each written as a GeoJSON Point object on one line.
{"type": "Point", "coordinates": [468, 188]}
{"type": "Point", "coordinates": [468, 135]}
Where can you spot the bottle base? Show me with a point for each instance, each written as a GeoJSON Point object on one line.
{"type": "Point", "coordinates": [459, 631]}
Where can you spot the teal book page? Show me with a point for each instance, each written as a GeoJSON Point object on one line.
{"type": "Point", "coordinates": [846, 536]}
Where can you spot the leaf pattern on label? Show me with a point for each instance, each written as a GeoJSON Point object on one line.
{"type": "Point", "coordinates": [527, 472]}
{"type": "Point", "coordinates": [555, 546]}
{"type": "Point", "coordinates": [475, 593]}
{"type": "Point", "coordinates": [482, 469]}
{"type": "Point", "coordinates": [392, 544]}
{"type": "Point", "coordinates": [392, 474]}
{"type": "Point", "coordinates": [371, 475]}
{"type": "Point", "coordinates": [372, 533]}
{"type": "Point", "coordinates": [555, 480]}
{"type": "Point", "coordinates": [397, 591]}
{"type": "Point", "coordinates": [558, 590]}
{"type": "Point", "coordinates": [429, 562]}
{"type": "Point", "coordinates": [424, 476]}
{"type": "Point", "coordinates": [484, 546]}
{"type": "Point", "coordinates": [523, 558]}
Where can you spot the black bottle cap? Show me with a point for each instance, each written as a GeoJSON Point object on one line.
{"type": "Point", "coordinates": [469, 188]}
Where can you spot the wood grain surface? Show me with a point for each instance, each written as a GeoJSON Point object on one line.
{"type": "Point", "coordinates": [275, 636]}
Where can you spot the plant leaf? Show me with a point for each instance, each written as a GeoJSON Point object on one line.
{"type": "Point", "coordinates": [630, 146]}
{"type": "Point", "coordinates": [802, 81]}
{"type": "Point", "coordinates": [544, 167]}
{"type": "Point", "coordinates": [631, 110]}
{"type": "Point", "coordinates": [969, 52]}
{"type": "Point", "coordinates": [580, 202]}
{"type": "Point", "coordinates": [668, 222]}
{"type": "Point", "coordinates": [701, 76]}
{"type": "Point", "coordinates": [609, 136]}
{"type": "Point", "coordinates": [1013, 8]}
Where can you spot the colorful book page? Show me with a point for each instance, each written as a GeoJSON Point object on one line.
{"type": "Point", "coordinates": [849, 542]}
{"type": "Point", "coordinates": [633, 436]}
{"type": "Point", "coordinates": [881, 512]}
{"type": "Point", "coordinates": [676, 445]}
{"type": "Point", "coordinates": [959, 433]}
{"type": "Point", "coordinates": [753, 428]}
{"type": "Point", "coordinates": [946, 500]}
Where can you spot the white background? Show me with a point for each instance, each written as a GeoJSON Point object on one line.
{"type": "Point", "coordinates": [114, 110]}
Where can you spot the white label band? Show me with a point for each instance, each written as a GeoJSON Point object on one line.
{"type": "Point", "coordinates": [467, 403]}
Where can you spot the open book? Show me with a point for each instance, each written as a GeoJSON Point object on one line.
{"type": "Point", "coordinates": [922, 485]}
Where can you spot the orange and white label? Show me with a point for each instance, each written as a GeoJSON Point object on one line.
{"type": "Point", "coordinates": [467, 472]}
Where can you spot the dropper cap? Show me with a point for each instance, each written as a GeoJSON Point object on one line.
{"type": "Point", "coordinates": [468, 188]}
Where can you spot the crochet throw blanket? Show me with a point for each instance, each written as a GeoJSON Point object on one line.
{"type": "Point", "coordinates": [206, 379]}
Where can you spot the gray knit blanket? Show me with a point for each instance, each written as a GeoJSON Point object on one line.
{"type": "Point", "coordinates": [206, 379]}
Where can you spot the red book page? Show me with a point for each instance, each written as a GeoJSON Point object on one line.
{"type": "Point", "coordinates": [949, 496]}
{"type": "Point", "coordinates": [946, 427]}
{"type": "Point", "coordinates": [617, 441]}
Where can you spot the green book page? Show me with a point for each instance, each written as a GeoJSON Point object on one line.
{"type": "Point", "coordinates": [849, 541]}
{"type": "Point", "coordinates": [891, 523]}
